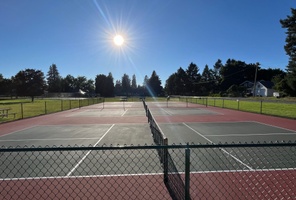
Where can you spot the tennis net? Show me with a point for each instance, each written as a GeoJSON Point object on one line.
{"type": "Point", "coordinates": [172, 178]}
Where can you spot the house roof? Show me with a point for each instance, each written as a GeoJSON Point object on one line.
{"type": "Point", "coordinates": [267, 84]}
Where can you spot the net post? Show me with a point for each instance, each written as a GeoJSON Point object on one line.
{"type": "Point", "coordinates": [165, 161]}
{"type": "Point", "coordinates": [187, 172]}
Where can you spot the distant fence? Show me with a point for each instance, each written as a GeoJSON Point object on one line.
{"type": "Point", "coordinates": [40, 107]}
{"type": "Point", "coordinates": [211, 171]}
{"type": "Point", "coordinates": [268, 107]}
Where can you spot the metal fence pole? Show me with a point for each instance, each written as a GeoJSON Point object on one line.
{"type": "Point", "coordinates": [22, 111]}
{"type": "Point", "coordinates": [187, 172]}
{"type": "Point", "coordinates": [165, 162]}
{"type": "Point", "coordinates": [45, 111]}
{"type": "Point", "coordinates": [261, 107]}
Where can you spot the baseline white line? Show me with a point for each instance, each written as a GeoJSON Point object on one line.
{"type": "Point", "coordinates": [145, 174]}
{"type": "Point", "coordinates": [253, 134]}
{"type": "Point", "coordinates": [235, 158]}
{"type": "Point", "coordinates": [124, 112]}
{"type": "Point", "coordinates": [274, 126]}
{"type": "Point", "coordinates": [82, 159]}
{"type": "Point", "coordinates": [52, 139]}
{"type": "Point", "coordinates": [88, 176]}
{"type": "Point", "coordinates": [244, 170]}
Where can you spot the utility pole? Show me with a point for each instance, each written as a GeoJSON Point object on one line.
{"type": "Point", "coordinates": [255, 80]}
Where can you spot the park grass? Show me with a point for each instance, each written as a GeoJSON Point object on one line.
{"type": "Point", "coordinates": [25, 108]}
{"type": "Point", "coordinates": [270, 106]}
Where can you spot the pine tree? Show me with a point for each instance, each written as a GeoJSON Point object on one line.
{"type": "Point", "coordinates": [290, 24]}
{"type": "Point", "coordinates": [54, 79]}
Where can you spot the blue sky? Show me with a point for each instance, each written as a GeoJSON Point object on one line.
{"type": "Point", "coordinates": [160, 35]}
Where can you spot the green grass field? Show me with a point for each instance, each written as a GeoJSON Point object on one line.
{"type": "Point", "coordinates": [272, 107]}
{"type": "Point", "coordinates": [24, 108]}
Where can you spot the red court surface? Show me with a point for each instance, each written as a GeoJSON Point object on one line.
{"type": "Point", "coordinates": [108, 187]}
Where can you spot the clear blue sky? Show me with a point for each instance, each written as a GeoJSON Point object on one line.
{"type": "Point", "coordinates": [160, 35]}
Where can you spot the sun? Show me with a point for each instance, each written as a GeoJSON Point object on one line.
{"type": "Point", "coordinates": [118, 40]}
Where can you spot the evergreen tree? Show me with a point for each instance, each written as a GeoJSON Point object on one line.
{"type": "Point", "coordinates": [207, 81]}
{"type": "Point", "coordinates": [193, 77]}
{"type": "Point", "coordinates": [154, 85]}
{"type": "Point", "coordinates": [126, 84]}
{"type": "Point", "coordinates": [134, 84]}
{"type": "Point", "coordinates": [134, 81]}
{"type": "Point", "coordinates": [54, 79]}
{"type": "Point", "coordinates": [290, 24]}
{"type": "Point", "coordinates": [104, 85]}
{"type": "Point", "coordinates": [170, 84]}
{"type": "Point", "coordinates": [110, 85]}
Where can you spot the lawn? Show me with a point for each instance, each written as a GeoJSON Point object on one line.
{"type": "Point", "coordinates": [24, 108]}
{"type": "Point", "coordinates": [269, 106]}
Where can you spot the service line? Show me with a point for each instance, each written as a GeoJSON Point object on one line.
{"type": "Point", "coordinates": [82, 159]}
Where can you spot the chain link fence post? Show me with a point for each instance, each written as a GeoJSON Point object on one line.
{"type": "Point", "coordinates": [22, 111]}
{"type": "Point", "coordinates": [187, 172]}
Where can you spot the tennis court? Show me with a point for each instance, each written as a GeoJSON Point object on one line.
{"type": "Point", "coordinates": [129, 171]}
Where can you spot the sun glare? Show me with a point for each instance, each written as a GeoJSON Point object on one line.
{"type": "Point", "coordinates": [118, 40]}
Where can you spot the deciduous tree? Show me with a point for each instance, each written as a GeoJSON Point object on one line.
{"type": "Point", "coordinates": [29, 82]}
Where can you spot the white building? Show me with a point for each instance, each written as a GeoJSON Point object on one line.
{"type": "Point", "coordinates": [264, 89]}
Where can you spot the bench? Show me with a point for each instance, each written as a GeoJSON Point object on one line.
{"type": "Point", "coordinates": [3, 115]}
{"type": "Point", "coordinates": [123, 99]}
{"type": "Point", "coordinates": [14, 114]}
{"type": "Point", "coordinates": [6, 115]}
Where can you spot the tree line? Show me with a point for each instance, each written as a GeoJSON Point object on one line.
{"type": "Point", "coordinates": [223, 79]}
{"type": "Point", "coordinates": [32, 82]}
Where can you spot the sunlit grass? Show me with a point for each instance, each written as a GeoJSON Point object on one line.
{"type": "Point", "coordinates": [269, 107]}
{"type": "Point", "coordinates": [25, 108]}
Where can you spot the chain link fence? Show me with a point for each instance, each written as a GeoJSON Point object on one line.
{"type": "Point", "coordinates": [214, 171]}
{"type": "Point", "coordinates": [279, 108]}
{"type": "Point", "coordinates": [13, 111]}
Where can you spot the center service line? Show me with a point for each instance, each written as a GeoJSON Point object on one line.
{"type": "Point", "coordinates": [82, 159]}
{"type": "Point", "coordinates": [124, 113]}
{"type": "Point", "coordinates": [235, 158]}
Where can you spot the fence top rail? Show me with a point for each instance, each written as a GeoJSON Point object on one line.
{"type": "Point", "coordinates": [127, 147]}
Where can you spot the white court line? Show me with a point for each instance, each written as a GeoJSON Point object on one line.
{"type": "Point", "coordinates": [48, 139]}
{"type": "Point", "coordinates": [235, 158]}
{"type": "Point", "coordinates": [167, 112]}
{"type": "Point", "coordinates": [253, 134]}
{"type": "Point", "coordinates": [82, 159]}
{"type": "Point", "coordinates": [243, 170]}
{"type": "Point", "coordinates": [274, 126]}
{"type": "Point", "coordinates": [18, 131]}
{"type": "Point", "coordinates": [124, 112]}
{"type": "Point", "coordinates": [87, 176]}
{"type": "Point", "coordinates": [145, 174]}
